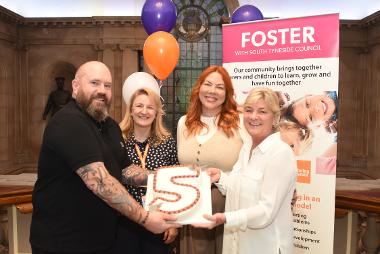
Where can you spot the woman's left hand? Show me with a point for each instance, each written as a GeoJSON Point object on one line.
{"type": "Point", "coordinates": [215, 220]}
{"type": "Point", "coordinates": [169, 235]}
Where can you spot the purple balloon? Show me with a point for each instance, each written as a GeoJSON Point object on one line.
{"type": "Point", "coordinates": [158, 15]}
{"type": "Point", "coordinates": [246, 13]}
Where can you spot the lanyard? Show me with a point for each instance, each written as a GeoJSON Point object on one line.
{"type": "Point", "coordinates": [142, 158]}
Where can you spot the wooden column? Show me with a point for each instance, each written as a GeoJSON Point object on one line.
{"type": "Point", "coordinates": [129, 65]}
{"type": "Point", "coordinates": [21, 110]}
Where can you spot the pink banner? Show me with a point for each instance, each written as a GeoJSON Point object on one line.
{"type": "Point", "coordinates": [299, 59]}
{"type": "Point", "coordinates": [295, 38]}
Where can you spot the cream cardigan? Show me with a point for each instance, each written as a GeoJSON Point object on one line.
{"type": "Point", "coordinates": [218, 151]}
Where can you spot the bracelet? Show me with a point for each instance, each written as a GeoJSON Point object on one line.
{"type": "Point", "coordinates": [145, 218]}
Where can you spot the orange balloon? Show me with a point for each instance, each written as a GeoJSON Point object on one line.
{"type": "Point", "coordinates": [161, 54]}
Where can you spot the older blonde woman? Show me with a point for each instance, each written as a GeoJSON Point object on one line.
{"type": "Point", "coordinates": [259, 189]}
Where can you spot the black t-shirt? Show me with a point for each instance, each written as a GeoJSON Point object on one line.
{"type": "Point", "coordinates": [67, 216]}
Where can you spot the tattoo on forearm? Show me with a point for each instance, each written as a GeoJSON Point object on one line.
{"type": "Point", "coordinates": [134, 175]}
{"type": "Point", "coordinates": [99, 181]}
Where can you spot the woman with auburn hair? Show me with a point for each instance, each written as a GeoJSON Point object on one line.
{"type": "Point", "coordinates": [150, 146]}
{"type": "Point", "coordinates": [209, 136]}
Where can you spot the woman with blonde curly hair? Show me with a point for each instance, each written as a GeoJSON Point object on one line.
{"type": "Point", "coordinates": [150, 146]}
{"type": "Point", "coordinates": [208, 136]}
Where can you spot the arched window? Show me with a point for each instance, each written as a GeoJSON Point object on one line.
{"type": "Point", "coordinates": [199, 33]}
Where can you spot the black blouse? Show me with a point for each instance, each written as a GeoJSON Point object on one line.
{"type": "Point", "coordinates": [164, 154]}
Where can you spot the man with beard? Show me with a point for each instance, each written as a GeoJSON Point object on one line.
{"type": "Point", "coordinates": [77, 197]}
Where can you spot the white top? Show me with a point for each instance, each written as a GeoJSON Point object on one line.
{"type": "Point", "coordinates": [259, 191]}
{"type": "Point", "coordinates": [206, 134]}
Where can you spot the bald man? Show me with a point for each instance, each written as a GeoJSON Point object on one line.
{"type": "Point", "coordinates": [78, 197]}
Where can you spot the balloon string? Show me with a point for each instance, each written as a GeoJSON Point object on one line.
{"type": "Point", "coordinates": [160, 85]}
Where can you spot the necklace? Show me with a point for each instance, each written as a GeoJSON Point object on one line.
{"type": "Point", "coordinates": [142, 157]}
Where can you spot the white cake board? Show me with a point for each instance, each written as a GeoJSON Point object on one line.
{"type": "Point", "coordinates": [195, 214]}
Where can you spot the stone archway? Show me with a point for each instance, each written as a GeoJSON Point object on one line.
{"type": "Point", "coordinates": [60, 69]}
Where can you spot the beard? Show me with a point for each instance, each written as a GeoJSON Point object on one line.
{"type": "Point", "coordinates": [97, 110]}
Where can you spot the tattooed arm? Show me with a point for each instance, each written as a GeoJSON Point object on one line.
{"type": "Point", "coordinates": [102, 184]}
{"type": "Point", "coordinates": [135, 175]}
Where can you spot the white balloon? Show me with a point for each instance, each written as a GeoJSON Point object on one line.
{"type": "Point", "coordinates": [136, 81]}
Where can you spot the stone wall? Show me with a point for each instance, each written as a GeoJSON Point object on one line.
{"type": "Point", "coordinates": [34, 51]}
{"type": "Point", "coordinates": [9, 89]}
{"type": "Point", "coordinates": [359, 102]}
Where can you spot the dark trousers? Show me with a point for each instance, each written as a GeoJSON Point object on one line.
{"type": "Point", "coordinates": [36, 250]}
{"type": "Point", "coordinates": [132, 238]}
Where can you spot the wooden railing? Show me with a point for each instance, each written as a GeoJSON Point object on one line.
{"type": "Point", "coordinates": [359, 198]}
{"type": "Point", "coordinates": [362, 198]}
